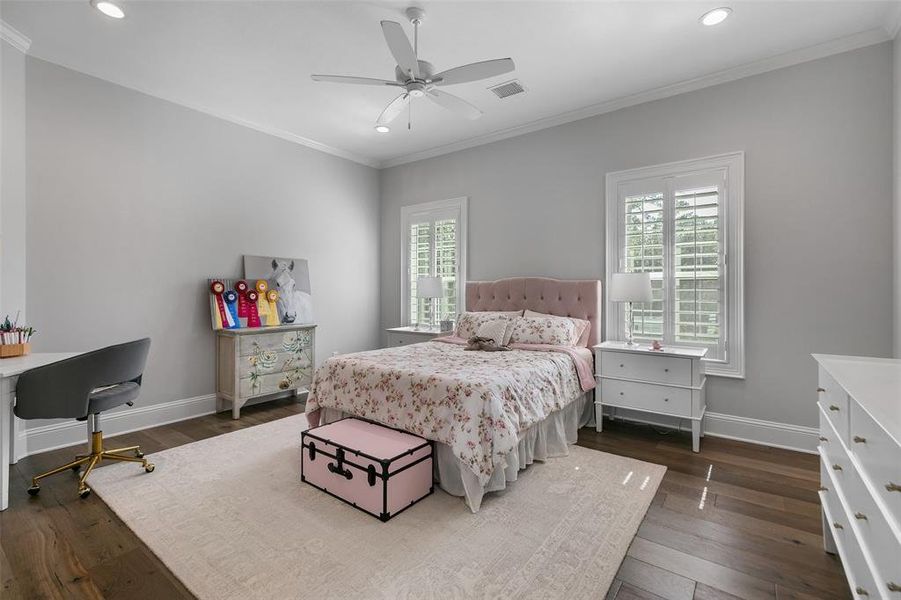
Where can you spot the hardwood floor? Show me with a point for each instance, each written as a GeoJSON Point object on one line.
{"type": "Point", "coordinates": [734, 521]}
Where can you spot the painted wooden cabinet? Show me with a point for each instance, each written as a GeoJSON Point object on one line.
{"type": "Point", "coordinates": [251, 363]}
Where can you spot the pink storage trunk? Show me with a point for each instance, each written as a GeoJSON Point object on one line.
{"type": "Point", "coordinates": [379, 470]}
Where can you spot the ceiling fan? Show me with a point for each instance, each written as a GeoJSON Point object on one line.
{"type": "Point", "coordinates": [417, 77]}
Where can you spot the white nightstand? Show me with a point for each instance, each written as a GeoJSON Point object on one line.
{"type": "Point", "coordinates": [401, 336]}
{"type": "Point", "coordinates": [666, 382]}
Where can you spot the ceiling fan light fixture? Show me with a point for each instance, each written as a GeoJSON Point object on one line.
{"type": "Point", "coordinates": [382, 128]}
{"type": "Point", "coordinates": [110, 9]}
{"type": "Point", "coordinates": [417, 93]}
{"type": "Point", "coordinates": [715, 16]}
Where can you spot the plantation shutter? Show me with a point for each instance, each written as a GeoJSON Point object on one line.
{"type": "Point", "coordinates": [433, 251]}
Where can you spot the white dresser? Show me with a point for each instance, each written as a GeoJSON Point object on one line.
{"type": "Point", "coordinates": [668, 382]}
{"type": "Point", "coordinates": [263, 361]}
{"type": "Point", "coordinates": [401, 336]}
{"type": "Point", "coordinates": [860, 470]}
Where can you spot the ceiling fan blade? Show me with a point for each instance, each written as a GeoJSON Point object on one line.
{"type": "Point", "coordinates": [355, 80]}
{"type": "Point", "coordinates": [396, 107]}
{"type": "Point", "coordinates": [400, 47]}
{"type": "Point", "coordinates": [475, 71]}
{"type": "Point", "coordinates": [454, 104]}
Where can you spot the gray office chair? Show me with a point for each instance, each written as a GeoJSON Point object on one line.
{"type": "Point", "coordinates": [81, 388]}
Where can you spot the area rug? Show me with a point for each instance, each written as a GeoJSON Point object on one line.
{"type": "Point", "coordinates": [231, 519]}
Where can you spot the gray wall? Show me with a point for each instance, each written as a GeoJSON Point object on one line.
{"type": "Point", "coordinates": [12, 181]}
{"type": "Point", "coordinates": [897, 68]}
{"type": "Point", "coordinates": [133, 202]}
{"type": "Point", "coordinates": [818, 216]}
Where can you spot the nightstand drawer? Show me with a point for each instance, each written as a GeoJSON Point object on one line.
{"type": "Point", "coordinates": [405, 339]}
{"type": "Point", "coordinates": [646, 367]}
{"type": "Point", "coordinates": [647, 397]}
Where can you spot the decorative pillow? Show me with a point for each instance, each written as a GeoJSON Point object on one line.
{"type": "Point", "coordinates": [495, 330]}
{"type": "Point", "coordinates": [469, 322]}
{"type": "Point", "coordinates": [556, 331]}
{"type": "Point", "coordinates": [581, 324]}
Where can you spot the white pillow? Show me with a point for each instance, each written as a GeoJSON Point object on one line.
{"type": "Point", "coordinates": [554, 331]}
{"type": "Point", "coordinates": [495, 330]}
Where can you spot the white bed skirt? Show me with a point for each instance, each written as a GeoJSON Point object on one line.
{"type": "Point", "coordinates": [547, 439]}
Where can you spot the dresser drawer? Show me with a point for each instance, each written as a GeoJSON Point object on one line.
{"type": "Point", "coordinates": [834, 402]}
{"type": "Point", "coordinates": [834, 456]}
{"type": "Point", "coordinates": [861, 579]}
{"type": "Point", "coordinates": [646, 367]}
{"type": "Point", "coordinates": [880, 460]}
{"type": "Point", "coordinates": [261, 385]}
{"type": "Point", "coordinates": [644, 396]}
{"type": "Point", "coordinates": [278, 341]}
{"type": "Point", "coordinates": [269, 361]}
{"type": "Point", "coordinates": [877, 536]}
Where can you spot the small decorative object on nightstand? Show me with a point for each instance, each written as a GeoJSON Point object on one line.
{"type": "Point", "coordinates": [401, 336]}
{"type": "Point", "coordinates": [669, 381]}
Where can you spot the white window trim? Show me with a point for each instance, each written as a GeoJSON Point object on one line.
{"type": "Point", "coordinates": [407, 215]}
{"type": "Point", "coordinates": [733, 208]}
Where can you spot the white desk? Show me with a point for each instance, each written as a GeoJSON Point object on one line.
{"type": "Point", "coordinates": [10, 369]}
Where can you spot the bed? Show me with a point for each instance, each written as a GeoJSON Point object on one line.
{"type": "Point", "coordinates": [491, 414]}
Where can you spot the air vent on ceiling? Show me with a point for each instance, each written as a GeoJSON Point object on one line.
{"type": "Point", "coordinates": [507, 89]}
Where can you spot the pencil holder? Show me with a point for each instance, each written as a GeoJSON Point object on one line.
{"type": "Point", "coordinates": [13, 350]}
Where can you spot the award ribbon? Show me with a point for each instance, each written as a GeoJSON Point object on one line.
{"type": "Point", "coordinates": [262, 305]}
{"type": "Point", "coordinates": [231, 303]}
{"type": "Point", "coordinates": [241, 288]}
{"type": "Point", "coordinates": [253, 317]}
{"type": "Point", "coordinates": [221, 315]}
{"type": "Point", "coordinates": [272, 298]}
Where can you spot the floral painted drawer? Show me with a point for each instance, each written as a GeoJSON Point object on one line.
{"type": "Point", "coordinates": [259, 362]}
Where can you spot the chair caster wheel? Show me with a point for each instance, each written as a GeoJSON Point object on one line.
{"type": "Point", "coordinates": [149, 467]}
{"type": "Point", "coordinates": [84, 492]}
{"type": "Point", "coordinates": [139, 454]}
{"type": "Point", "coordinates": [34, 490]}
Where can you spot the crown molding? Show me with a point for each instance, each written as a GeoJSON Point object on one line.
{"type": "Point", "coordinates": [15, 38]}
{"type": "Point", "coordinates": [788, 59]}
{"type": "Point", "coordinates": [893, 23]}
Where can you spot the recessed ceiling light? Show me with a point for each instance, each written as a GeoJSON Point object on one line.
{"type": "Point", "coordinates": [715, 16]}
{"type": "Point", "coordinates": [110, 9]}
{"type": "Point", "coordinates": [382, 128]}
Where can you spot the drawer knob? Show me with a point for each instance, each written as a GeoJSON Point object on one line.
{"type": "Point", "coordinates": [893, 487]}
{"type": "Point", "coordinates": [621, 365]}
{"type": "Point", "coordinates": [666, 399]}
{"type": "Point", "coordinates": [837, 525]}
{"type": "Point", "coordinates": [622, 394]}
{"type": "Point", "coordinates": [824, 439]}
{"type": "Point", "coordinates": [836, 467]}
{"type": "Point", "coordinates": [860, 440]}
{"type": "Point", "coordinates": [823, 488]}
{"type": "Point", "coordinates": [820, 390]}
{"type": "Point", "coordinates": [833, 407]}
{"type": "Point", "coordinates": [860, 516]}
{"type": "Point", "coordinates": [861, 591]}
{"type": "Point", "coordinates": [893, 587]}
{"type": "Point", "coordinates": [666, 370]}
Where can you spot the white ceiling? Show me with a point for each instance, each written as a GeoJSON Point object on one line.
{"type": "Point", "coordinates": [251, 61]}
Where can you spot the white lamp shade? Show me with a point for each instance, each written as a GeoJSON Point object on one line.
{"type": "Point", "coordinates": [631, 287]}
{"type": "Point", "coordinates": [429, 287]}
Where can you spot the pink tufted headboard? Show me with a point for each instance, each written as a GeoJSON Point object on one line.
{"type": "Point", "coordinates": [580, 298]}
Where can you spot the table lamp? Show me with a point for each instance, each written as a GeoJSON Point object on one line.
{"type": "Point", "coordinates": [630, 287]}
{"type": "Point", "coordinates": [431, 288]}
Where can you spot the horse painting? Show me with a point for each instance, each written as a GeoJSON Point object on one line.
{"type": "Point", "coordinates": [294, 305]}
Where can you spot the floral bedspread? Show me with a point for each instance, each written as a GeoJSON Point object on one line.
{"type": "Point", "coordinates": [475, 402]}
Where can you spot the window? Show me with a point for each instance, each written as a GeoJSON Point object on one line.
{"type": "Point", "coordinates": [434, 244]}
{"type": "Point", "coordinates": [682, 223]}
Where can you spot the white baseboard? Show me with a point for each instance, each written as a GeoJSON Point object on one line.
{"type": "Point", "coordinates": [755, 431]}
{"type": "Point", "coordinates": [116, 422]}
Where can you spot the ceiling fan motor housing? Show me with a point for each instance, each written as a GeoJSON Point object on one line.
{"type": "Point", "coordinates": [426, 72]}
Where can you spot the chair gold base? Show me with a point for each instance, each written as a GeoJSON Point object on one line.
{"type": "Point", "coordinates": [97, 455]}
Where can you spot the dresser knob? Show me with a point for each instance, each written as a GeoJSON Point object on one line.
{"type": "Point", "coordinates": [893, 487]}
{"type": "Point", "coordinates": [824, 439]}
{"type": "Point", "coordinates": [666, 370]}
{"type": "Point", "coordinates": [666, 399]}
{"type": "Point", "coordinates": [621, 365]}
{"type": "Point", "coordinates": [860, 516]}
{"type": "Point", "coordinates": [837, 525]}
{"type": "Point", "coordinates": [621, 394]}
{"type": "Point", "coordinates": [836, 467]}
{"type": "Point", "coordinates": [893, 587]}
{"type": "Point", "coordinates": [833, 407]}
{"type": "Point", "coordinates": [823, 488]}
{"type": "Point", "coordinates": [861, 592]}
{"type": "Point", "coordinates": [860, 440]}
{"type": "Point", "coordinates": [820, 390]}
